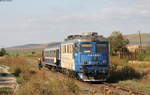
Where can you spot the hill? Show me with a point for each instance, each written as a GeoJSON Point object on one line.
{"type": "Point", "coordinates": [24, 46]}
{"type": "Point", "coordinates": [134, 38]}
{"type": "Point", "coordinates": [29, 47]}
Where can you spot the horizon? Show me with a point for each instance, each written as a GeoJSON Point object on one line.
{"type": "Point", "coordinates": [37, 21]}
{"type": "Point", "coordinates": [61, 41]}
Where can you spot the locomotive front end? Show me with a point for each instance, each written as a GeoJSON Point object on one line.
{"type": "Point", "coordinates": [93, 60]}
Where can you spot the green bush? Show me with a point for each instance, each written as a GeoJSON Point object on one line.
{"type": "Point", "coordinates": [3, 52]}
{"type": "Point", "coordinates": [141, 56]}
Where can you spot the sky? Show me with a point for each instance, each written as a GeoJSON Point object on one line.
{"type": "Point", "coordinates": [44, 21]}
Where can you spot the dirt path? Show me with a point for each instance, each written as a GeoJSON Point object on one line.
{"type": "Point", "coordinates": [7, 80]}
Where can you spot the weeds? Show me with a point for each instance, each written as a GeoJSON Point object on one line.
{"type": "Point", "coordinates": [122, 71]}
{"type": "Point", "coordinates": [134, 74]}
{"type": "Point", "coordinates": [6, 91]}
{"type": "Point", "coordinates": [73, 87]}
{"type": "Point", "coordinates": [34, 82]}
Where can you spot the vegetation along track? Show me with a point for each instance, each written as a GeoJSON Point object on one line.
{"type": "Point", "coordinates": [112, 89]}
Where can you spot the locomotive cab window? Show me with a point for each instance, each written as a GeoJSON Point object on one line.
{"type": "Point", "coordinates": [86, 48]}
{"type": "Point", "coordinates": [101, 48]}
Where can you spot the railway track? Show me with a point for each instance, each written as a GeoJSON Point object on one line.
{"type": "Point", "coordinates": [111, 89]}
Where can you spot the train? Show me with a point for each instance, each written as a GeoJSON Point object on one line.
{"type": "Point", "coordinates": [85, 56]}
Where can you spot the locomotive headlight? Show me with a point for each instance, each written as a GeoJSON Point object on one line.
{"type": "Point", "coordinates": [90, 62]}
{"type": "Point", "coordinates": [104, 61]}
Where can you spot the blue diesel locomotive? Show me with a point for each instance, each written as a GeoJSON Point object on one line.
{"type": "Point", "coordinates": [84, 56]}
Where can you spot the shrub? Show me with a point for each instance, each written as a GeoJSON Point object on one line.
{"type": "Point", "coordinates": [129, 73]}
{"type": "Point", "coordinates": [141, 56]}
{"type": "Point", "coordinates": [17, 72]}
{"type": "Point", "coordinates": [3, 52]}
{"type": "Point", "coordinates": [123, 73]}
{"type": "Point", "coordinates": [33, 52]}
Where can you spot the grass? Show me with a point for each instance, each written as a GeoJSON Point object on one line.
{"type": "Point", "coordinates": [137, 75]}
{"type": "Point", "coordinates": [142, 85]}
{"type": "Point", "coordinates": [6, 91]}
{"type": "Point", "coordinates": [34, 82]}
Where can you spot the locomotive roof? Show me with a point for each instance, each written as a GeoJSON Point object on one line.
{"type": "Point", "coordinates": [91, 36]}
{"type": "Point", "coordinates": [84, 37]}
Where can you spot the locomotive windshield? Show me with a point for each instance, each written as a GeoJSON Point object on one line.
{"type": "Point", "coordinates": [101, 48]}
{"type": "Point", "coordinates": [86, 48]}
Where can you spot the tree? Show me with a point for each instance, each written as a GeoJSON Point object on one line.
{"type": "Point", "coordinates": [117, 43]}
{"type": "Point", "coordinates": [3, 52]}
{"type": "Point", "coordinates": [33, 52]}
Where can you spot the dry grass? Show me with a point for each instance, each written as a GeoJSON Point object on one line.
{"type": "Point", "coordinates": [136, 76]}
{"type": "Point", "coordinates": [6, 91]}
{"type": "Point", "coordinates": [34, 82]}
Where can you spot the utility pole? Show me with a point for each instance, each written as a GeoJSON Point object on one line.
{"type": "Point", "coordinates": [140, 41]}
